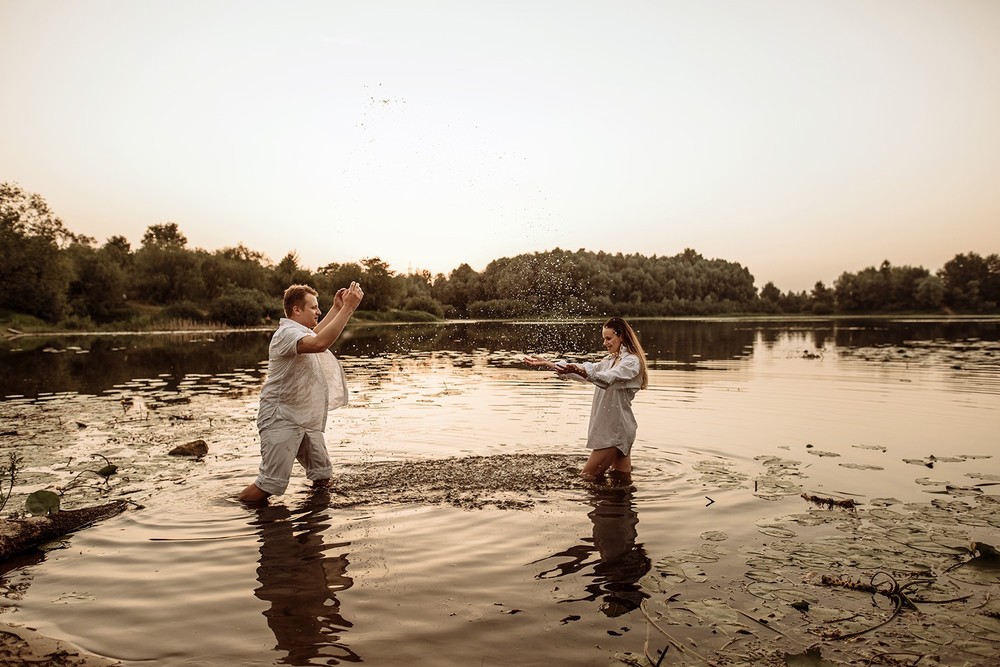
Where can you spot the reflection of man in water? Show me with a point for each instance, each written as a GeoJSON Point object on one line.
{"type": "Point", "coordinates": [301, 582]}
{"type": "Point", "coordinates": [621, 563]}
{"type": "Point", "coordinates": [304, 380]}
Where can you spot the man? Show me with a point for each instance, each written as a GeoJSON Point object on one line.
{"type": "Point", "coordinates": [304, 381]}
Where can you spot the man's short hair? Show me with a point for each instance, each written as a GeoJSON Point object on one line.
{"type": "Point", "coordinates": [296, 296]}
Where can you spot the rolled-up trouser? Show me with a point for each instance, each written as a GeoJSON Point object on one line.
{"type": "Point", "coordinates": [282, 443]}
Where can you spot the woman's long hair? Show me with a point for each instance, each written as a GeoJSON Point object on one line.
{"type": "Point", "coordinates": [631, 342]}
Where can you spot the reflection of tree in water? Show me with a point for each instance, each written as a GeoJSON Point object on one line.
{"type": "Point", "coordinates": [95, 364]}
{"type": "Point", "coordinates": [617, 562]}
{"type": "Point", "coordinates": [664, 340]}
{"type": "Point", "coordinates": [301, 583]}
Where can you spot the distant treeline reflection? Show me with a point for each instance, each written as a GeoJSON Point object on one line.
{"type": "Point", "coordinates": [236, 361]}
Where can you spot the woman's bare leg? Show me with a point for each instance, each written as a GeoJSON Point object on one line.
{"type": "Point", "coordinates": [623, 462]}
{"type": "Point", "coordinates": [600, 460]}
{"type": "Point", "coordinates": [621, 470]}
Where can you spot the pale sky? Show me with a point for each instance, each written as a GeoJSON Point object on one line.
{"type": "Point", "coordinates": [799, 138]}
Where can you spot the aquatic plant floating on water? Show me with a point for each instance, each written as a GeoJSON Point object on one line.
{"type": "Point", "coordinates": [848, 503]}
{"type": "Point", "coordinates": [105, 472]}
{"type": "Point", "coordinates": [42, 503]}
{"type": "Point", "coordinates": [10, 471]}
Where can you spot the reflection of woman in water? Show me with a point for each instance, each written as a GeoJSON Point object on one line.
{"type": "Point", "coordinates": [617, 377]}
{"type": "Point", "coordinates": [300, 580]}
{"type": "Point", "coordinates": [621, 563]}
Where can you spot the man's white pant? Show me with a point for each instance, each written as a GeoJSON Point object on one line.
{"type": "Point", "coordinates": [282, 443]}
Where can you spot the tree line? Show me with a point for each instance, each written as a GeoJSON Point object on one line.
{"type": "Point", "coordinates": [57, 276]}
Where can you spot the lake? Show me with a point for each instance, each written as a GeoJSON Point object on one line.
{"type": "Point", "coordinates": [780, 467]}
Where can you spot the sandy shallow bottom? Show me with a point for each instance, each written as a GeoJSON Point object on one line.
{"type": "Point", "coordinates": [23, 646]}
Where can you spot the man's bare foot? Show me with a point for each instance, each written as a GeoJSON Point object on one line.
{"type": "Point", "coordinates": [253, 494]}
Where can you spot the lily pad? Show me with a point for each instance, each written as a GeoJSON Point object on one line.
{"type": "Point", "coordinates": [810, 658]}
{"type": "Point", "coordinates": [41, 503]}
{"type": "Point", "coordinates": [983, 570]}
{"type": "Point", "coordinates": [714, 536]}
{"type": "Point", "coordinates": [860, 466]}
{"type": "Point", "coordinates": [820, 452]}
{"type": "Point", "coordinates": [775, 530]}
{"type": "Point", "coordinates": [766, 591]}
{"type": "Point", "coordinates": [765, 576]}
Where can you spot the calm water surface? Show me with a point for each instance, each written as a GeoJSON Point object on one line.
{"type": "Point", "coordinates": [853, 409]}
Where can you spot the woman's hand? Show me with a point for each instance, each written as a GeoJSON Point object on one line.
{"type": "Point", "coordinates": [539, 361]}
{"type": "Point", "coordinates": [571, 369]}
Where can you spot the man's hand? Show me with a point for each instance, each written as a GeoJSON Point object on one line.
{"type": "Point", "coordinates": [338, 298]}
{"type": "Point", "coordinates": [331, 327]}
{"type": "Point", "coordinates": [351, 296]}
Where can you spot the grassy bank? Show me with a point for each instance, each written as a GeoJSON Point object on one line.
{"type": "Point", "coordinates": [145, 317]}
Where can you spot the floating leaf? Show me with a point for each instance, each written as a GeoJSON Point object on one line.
{"type": "Point", "coordinates": [860, 466]}
{"type": "Point", "coordinates": [774, 530]}
{"type": "Point", "coordinates": [986, 477]}
{"type": "Point", "coordinates": [41, 503]}
{"type": "Point", "coordinates": [811, 658]}
{"type": "Point", "coordinates": [714, 536]}
{"type": "Point", "coordinates": [108, 470]}
{"type": "Point", "coordinates": [765, 576]}
{"type": "Point", "coordinates": [983, 569]}
{"type": "Point", "coordinates": [767, 591]}
{"type": "Point", "coordinates": [877, 448]}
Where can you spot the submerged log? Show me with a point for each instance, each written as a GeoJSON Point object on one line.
{"type": "Point", "coordinates": [20, 535]}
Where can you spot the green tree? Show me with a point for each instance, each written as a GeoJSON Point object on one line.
{"type": "Point", "coordinates": [381, 291]}
{"type": "Point", "coordinates": [929, 293]}
{"type": "Point", "coordinates": [972, 282]}
{"type": "Point", "coordinates": [165, 270]}
{"type": "Point", "coordinates": [459, 289]}
{"type": "Point", "coordinates": [97, 290]}
{"type": "Point", "coordinates": [769, 292]}
{"type": "Point", "coordinates": [166, 235]}
{"type": "Point", "coordinates": [415, 288]}
{"type": "Point", "coordinates": [234, 267]}
{"type": "Point", "coordinates": [289, 272]}
{"type": "Point", "coordinates": [34, 274]}
{"type": "Point", "coordinates": [823, 299]}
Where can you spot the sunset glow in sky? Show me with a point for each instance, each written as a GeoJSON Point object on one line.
{"type": "Point", "coordinates": [800, 139]}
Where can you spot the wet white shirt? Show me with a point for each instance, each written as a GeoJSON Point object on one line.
{"type": "Point", "coordinates": [300, 388]}
{"type": "Point", "coordinates": [612, 423]}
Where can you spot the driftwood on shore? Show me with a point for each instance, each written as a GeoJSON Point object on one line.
{"type": "Point", "coordinates": [20, 535]}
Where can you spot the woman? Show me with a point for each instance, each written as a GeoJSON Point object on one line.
{"type": "Point", "coordinates": [617, 378]}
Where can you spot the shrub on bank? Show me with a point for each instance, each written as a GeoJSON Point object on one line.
{"type": "Point", "coordinates": [427, 304]}
{"type": "Point", "coordinates": [239, 307]}
{"type": "Point", "coordinates": [21, 322]}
